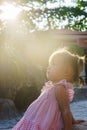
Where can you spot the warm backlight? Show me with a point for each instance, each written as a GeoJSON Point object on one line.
{"type": "Point", "coordinates": [9, 11]}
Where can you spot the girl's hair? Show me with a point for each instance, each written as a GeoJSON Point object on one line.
{"type": "Point", "coordinates": [66, 58]}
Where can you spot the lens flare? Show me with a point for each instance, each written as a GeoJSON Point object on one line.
{"type": "Point", "coordinates": [9, 11]}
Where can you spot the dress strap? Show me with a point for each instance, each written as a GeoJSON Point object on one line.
{"type": "Point", "coordinates": [65, 83]}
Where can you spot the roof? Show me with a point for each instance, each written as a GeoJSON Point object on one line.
{"type": "Point", "coordinates": [64, 35]}
{"type": "Point", "coordinates": [83, 42]}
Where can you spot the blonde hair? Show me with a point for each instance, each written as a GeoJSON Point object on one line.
{"type": "Point", "coordinates": [65, 58]}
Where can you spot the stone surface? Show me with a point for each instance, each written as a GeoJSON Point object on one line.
{"type": "Point", "coordinates": [82, 126]}
{"type": "Point", "coordinates": [7, 109]}
{"type": "Point", "coordinates": [80, 93]}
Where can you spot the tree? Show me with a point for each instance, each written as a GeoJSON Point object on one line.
{"type": "Point", "coordinates": [39, 16]}
{"type": "Point", "coordinates": [52, 14]}
{"type": "Point", "coordinates": [76, 50]}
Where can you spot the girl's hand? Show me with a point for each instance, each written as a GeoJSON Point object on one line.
{"type": "Point", "coordinates": [78, 121]}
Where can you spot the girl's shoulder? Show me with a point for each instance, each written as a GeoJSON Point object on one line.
{"type": "Point", "coordinates": [65, 87]}
{"type": "Point", "coordinates": [49, 85]}
{"type": "Point", "coordinates": [61, 86]}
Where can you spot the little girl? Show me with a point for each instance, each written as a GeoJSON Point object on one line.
{"type": "Point", "coordinates": [51, 110]}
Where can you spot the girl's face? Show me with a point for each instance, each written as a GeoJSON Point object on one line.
{"type": "Point", "coordinates": [56, 72]}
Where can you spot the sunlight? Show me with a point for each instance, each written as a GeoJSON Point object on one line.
{"type": "Point", "coordinates": [69, 3]}
{"type": "Point", "coordinates": [9, 11]}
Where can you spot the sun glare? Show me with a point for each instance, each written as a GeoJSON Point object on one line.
{"type": "Point", "coordinates": [9, 11]}
{"type": "Point", "coordinates": [69, 3]}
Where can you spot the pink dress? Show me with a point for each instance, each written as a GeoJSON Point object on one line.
{"type": "Point", "coordinates": [44, 113]}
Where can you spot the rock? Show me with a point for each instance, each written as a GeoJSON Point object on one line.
{"type": "Point", "coordinates": [7, 109]}
{"type": "Point", "coordinates": [80, 93]}
{"type": "Point", "coordinates": [25, 96]}
{"type": "Point", "coordinates": [82, 126]}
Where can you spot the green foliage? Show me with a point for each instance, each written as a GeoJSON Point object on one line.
{"type": "Point", "coordinates": [76, 50]}
{"type": "Point", "coordinates": [38, 16]}
{"type": "Point", "coordinates": [75, 18]}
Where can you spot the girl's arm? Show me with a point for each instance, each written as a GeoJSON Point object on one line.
{"type": "Point", "coordinates": [77, 121]}
{"type": "Point", "coordinates": [63, 102]}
